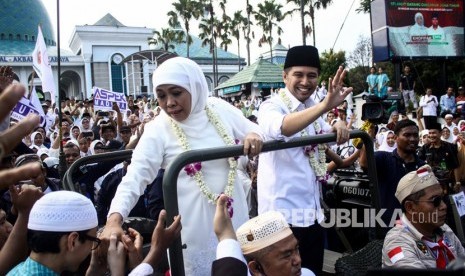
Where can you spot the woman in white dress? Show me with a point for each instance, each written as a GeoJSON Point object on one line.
{"type": "Point", "coordinates": [189, 120]}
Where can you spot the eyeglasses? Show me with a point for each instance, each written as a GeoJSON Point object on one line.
{"type": "Point", "coordinates": [96, 241]}
{"type": "Point", "coordinates": [437, 200]}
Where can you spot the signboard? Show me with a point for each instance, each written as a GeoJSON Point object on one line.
{"type": "Point", "coordinates": [425, 28]}
{"type": "Point", "coordinates": [28, 59]}
{"type": "Point", "coordinates": [231, 89]}
{"type": "Point", "coordinates": [23, 108]}
{"type": "Point", "coordinates": [104, 99]}
{"type": "Point", "coordinates": [271, 85]}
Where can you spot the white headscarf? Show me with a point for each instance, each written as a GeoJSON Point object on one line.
{"type": "Point", "coordinates": [419, 15]}
{"type": "Point", "coordinates": [451, 138]}
{"type": "Point", "coordinates": [422, 133]}
{"type": "Point", "coordinates": [92, 146]}
{"type": "Point", "coordinates": [384, 145]}
{"type": "Point", "coordinates": [33, 136]}
{"type": "Point", "coordinates": [188, 75]}
{"type": "Point", "coordinates": [461, 124]}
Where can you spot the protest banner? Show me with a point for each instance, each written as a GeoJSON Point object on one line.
{"type": "Point", "coordinates": [104, 99]}
{"type": "Point", "coordinates": [23, 108]}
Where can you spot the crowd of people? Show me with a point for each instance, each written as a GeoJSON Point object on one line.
{"type": "Point", "coordinates": [241, 211]}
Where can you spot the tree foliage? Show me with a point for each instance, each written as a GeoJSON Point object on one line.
{"type": "Point", "coordinates": [167, 38]}
{"type": "Point", "coordinates": [330, 62]}
{"type": "Point", "coordinates": [362, 54]}
{"type": "Point", "coordinates": [365, 6]}
{"type": "Point", "coordinates": [185, 11]}
{"type": "Point", "coordinates": [268, 15]}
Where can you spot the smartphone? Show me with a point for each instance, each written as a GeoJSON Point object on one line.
{"type": "Point", "coordinates": [87, 134]}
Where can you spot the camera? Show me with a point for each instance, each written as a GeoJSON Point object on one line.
{"type": "Point", "coordinates": [377, 110]}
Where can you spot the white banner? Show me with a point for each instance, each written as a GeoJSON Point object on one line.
{"type": "Point", "coordinates": [41, 65]}
{"type": "Point", "coordinates": [104, 99]}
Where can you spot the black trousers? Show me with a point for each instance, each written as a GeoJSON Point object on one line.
{"type": "Point", "coordinates": [430, 121]}
{"type": "Point", "coordinates": [311, 246]}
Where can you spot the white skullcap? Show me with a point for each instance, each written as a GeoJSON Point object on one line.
{"type": "Point", "coordinates": [63, 211]}
{"type": "Point", "coordinates": [42, 151]}
{"type": "Point", "coordinates": [51, 161]}
{"type": "Point", "coordinates": [262, 231]}
{"type": "Point", "coordinates": [449, 116]}
{"type": "Point", "coordinates": [414, 182]}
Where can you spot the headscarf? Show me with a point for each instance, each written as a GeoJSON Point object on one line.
{"type": "Point", "coordinates": [379, 136]}
{"type": "Point", "coordinates": [93, 144]}
{"type": "Point", "coordinates": [384, 145]}
{"type": "Point", "coordinates": [461, 125]}
{"type": "Point", "coordinates": [418, 15]}
{"type": "Point", "coordinates": [33, 136]}
{"type": "Point", "coordinates": [451, 138]}
{"type": "Point", "coordinates": [187, 74]}
{"type": "Point", "coordinates": [422, 133]}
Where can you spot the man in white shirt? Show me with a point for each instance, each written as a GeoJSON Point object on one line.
{"type": "Point", "coordinates": [437, 38]}
{"type": "Point", "coordinates": [287, 179]}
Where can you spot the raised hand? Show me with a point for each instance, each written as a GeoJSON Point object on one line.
{"type": "Point", "coordinates": [336, 90]}
{"type": "Point", "coordinates": [116, 256]}
{"type": "Point", "coordinates": [222, 224]}
{"type": "Point", "coordinates": [12, 136]}
{"type": "Point", "coordinates": [133, 243]}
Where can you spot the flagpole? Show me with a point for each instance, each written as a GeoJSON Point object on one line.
{"type": "Point", "coordinates": [62, 165]}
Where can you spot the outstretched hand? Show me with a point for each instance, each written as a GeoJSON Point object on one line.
{"type": "Point", "coordinates": [222, 224]}
{"type": "Point", "coordinates": [162, 238]}
{"type": "Point", "coordinates": [336, 90]}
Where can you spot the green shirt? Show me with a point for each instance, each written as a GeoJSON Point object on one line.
{"type": "Point", "coordinates": [31, 268]}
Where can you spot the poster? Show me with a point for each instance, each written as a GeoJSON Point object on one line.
{"type": "Point", "coordinates": [425, 28]}
{"type": "Point", "coordinates": [104, 99]}
{"type": "Point", "coordinates": [459, 200]}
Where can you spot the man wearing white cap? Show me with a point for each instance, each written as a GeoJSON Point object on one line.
{"type": "Point", "coordinates": [422, 239]}
{"type": "Point", "coordinates": [449, 122]}
{"type": "Point", "coordinates": [62, 231]}
{"type": "Point", "coordinates": [269, 246]}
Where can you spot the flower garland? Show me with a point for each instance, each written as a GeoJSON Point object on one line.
{"type": "Point", "coordinates": [195, 170]}
{"type": "Point", "coordinates": [318, 165]}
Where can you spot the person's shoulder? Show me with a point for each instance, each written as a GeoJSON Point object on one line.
{"type": "Point", "coordinates": [399, 234]}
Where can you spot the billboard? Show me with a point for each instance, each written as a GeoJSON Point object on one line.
{"type": "Point", "coordinates": [425, 28]}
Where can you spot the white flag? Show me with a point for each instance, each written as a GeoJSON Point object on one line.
{"type": "Point", "coordinates": [36, 102]}
{"type": "Point", "coordinates": [42, 66]}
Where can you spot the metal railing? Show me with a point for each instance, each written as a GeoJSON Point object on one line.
{"type": "Point", "coordinates": [70, 182]}
{"type": "Point", "coordinates": [170, 178]}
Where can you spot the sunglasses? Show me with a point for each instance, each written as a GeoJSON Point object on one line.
{"type": "Point", "coordinates": [96, 241]}
{"type": "Point", "coordinates": [436, 201]}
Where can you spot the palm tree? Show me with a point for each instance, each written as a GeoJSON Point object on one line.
{"type": "Point", "coordinates": [312, 5]}
{"type": "Point", "coordinates": [224, 31]}
{"type": "Point", "coordinates": [167, 38]}
{"type": "Point", "coordinates": [269, 14]}
{"type": "Point", "coordinates": [247, 30]}
{"type": "Point", "coordinates": [185, 10]}
{"type": "Point", "coordinates": [301, 9]}
{"type": "Point", "coordinates": [239, 22]}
